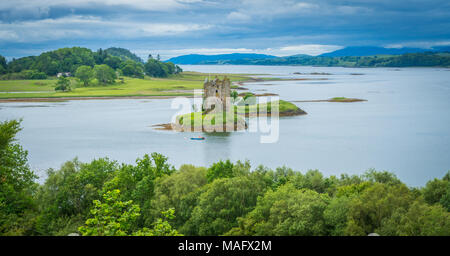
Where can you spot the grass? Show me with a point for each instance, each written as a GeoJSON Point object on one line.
{"type": "Point", "coordinates": [197, 119]}
{"type": "Point", "coordinates": [284, 107]}
{"type": "Point", "coordinates": [344, 99]}
{"type": "Point", "coordinates": [175, 85]}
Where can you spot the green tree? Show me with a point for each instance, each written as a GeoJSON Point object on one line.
{"type": "Point", "coordinates": [113, 61]}
{"type": "Point", "coordinates": [313, 179]}
{"type": "Point", "coordinates": [220, 169]}
{"type": "Point", "coordinates": [438, 191]}
{"type": "Point", "coordinates": [179, 191]}
{"type": "Point", "coordinates": [132, 69]}
{"type": "Point", "coordinates": [104, 74]}
{"type": "Point", "coordinates": [367, 211]}
{"type": "Point", "coordinates": [17, 181]}
{"type": "Point", "coordinates": [335, 215]}
{"type": "Point", "coordinates": [420, 219]}
{"type": "Point", "coordinates": [137, 183]}
{"type": "Point", "coordinates": [63, 84]}
{"type": "Point", "coordinates": [222, 202]}
{"type": "Point", "coordinates": [85, 74]}
{"type": "Point", "coordinates": [286, 211]}
{"type": "Point", "coordinates": [111, 217]}
{"type": "Point", "coordinates": [66, 196]}
{"type": "Point", "coordinates": [381, 177]}
{"type": "Point", "coordinates": [161, 227]}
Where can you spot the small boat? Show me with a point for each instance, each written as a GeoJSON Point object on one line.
{"type": "Point", "coordinates": [198, 138]}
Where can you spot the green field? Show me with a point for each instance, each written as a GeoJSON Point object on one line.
{"type": "Point", "coordinates": [175, 85]}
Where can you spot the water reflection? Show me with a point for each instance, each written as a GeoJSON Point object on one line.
{"type": "Point", "coordinates": [217, 146]}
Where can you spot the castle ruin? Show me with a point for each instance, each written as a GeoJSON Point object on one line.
{"type": "Point", "coordinates": [216, 95]}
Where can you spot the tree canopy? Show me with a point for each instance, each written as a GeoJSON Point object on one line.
{"type": "Point", "coordinates": [70, 59]}
{"type": "Point", "coordinates": [151, 197]}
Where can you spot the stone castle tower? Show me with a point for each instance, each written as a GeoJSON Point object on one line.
{"type": "Point", "coordinates": [216, 93]}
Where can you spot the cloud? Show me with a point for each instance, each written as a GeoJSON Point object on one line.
{"type": "Point", "coordinates": [238, 17]}
{"type": "Point", "coordinates": [75, 27]}
{"type": "Point", "coordinates": [141, 4]}
{"type": "Point", "coordinates": [280, 27]}
{"type": "Point", "coordinates": [419, 44]}
{"type": "Point", "coordinates": [310, 49]}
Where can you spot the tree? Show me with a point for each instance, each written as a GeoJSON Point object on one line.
{"type": "Point", "coordinates": [420, 219]}
{"type": "Point", "coordinates": [3, 65]}
{"type": "Point", "coordinates": [222, 202]}
{"type": "Point", "coordinates": [382, 177]}
{"type": "Point", "coordinates": [161, 226]}
{"type": "Point", "coordinates": [367, 211]}
{"type": "Point", "coordinates": [179, 191]}
{"type": "Point", "coordinates": [63, 84]}
{"type": "Point", "coordinates": [104, 74]}
{"type": "Point", "coordinates": [156, 68]}
{"type": "Point", "coordinates": [100, 56]}
{"type": "Point", "coordinates": [16, 181]}
{"type": "Point", "coordinates": [153, 68]}
{"type": "Point", "coordinates": [113, 217]}
{"type": "Point", "coordinates": [122, 54]}
{"type": "Point", "coordinates": [220, 170]}
{"type": "Point", "coordinates": [85, 74]}
{"type": "Point", "coordinates": [137, 183]}
{"type": "Point", "coordinates": [178, 69]}
{"type": "Point", "coordinates": [66, 196]}
{"type": "Point", "coordinates": [313, 180]}
{"type": "Point", "coordinates": [335, 215]}
{"type": "Point", "coordinates": [438, 191]}
{"type": "Point", "coordinates": [132, 69]}
{"type": "Point", "coordinates": [286, 211]}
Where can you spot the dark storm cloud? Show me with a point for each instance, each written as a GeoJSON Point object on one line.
{"type": "Point", "coordinates": [279, 27]}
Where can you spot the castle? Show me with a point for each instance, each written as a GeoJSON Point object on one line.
{"type": "Point", "coordinates": [216, 95]}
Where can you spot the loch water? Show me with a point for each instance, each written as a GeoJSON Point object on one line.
{"type": "Point", "coordinates": [403, 127]}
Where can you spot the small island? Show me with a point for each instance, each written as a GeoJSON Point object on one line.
{"type": "Point", "coordinates": [335, 99]}
{"type": "Point", "coordinates": [225, 110]}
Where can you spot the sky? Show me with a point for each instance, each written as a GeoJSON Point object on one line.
{"type": "Point", "coordinates": [177, 27]}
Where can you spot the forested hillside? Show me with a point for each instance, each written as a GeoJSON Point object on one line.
{"type": "Point", "coordinates": [429, 59]}
{"type": "Point", "coordinates": [151, 197]}
{"type": "Point", "coordinates": [123, 54]}
{"type": "Point", "coordinates": [70, 59]}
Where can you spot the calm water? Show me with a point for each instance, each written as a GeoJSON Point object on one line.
{"type": "Point", "coordinates": [404, 127]}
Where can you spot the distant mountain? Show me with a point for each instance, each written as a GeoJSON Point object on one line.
{"type": "Point", "coordinates": [216, 59]}
{"type": "Point", "coordinates": [444, 48]}
{"type": "Point", "coordinates": [370, 51]}
{"type": "Point", "coordinates": [122, 53]}
{"type": "Point", "coordinates": [423, 59]}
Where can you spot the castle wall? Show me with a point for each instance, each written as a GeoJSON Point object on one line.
{"type": "Point", "coordinates": [217, 92]}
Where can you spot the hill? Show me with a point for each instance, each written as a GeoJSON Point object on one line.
{"type": "Point", "coordinates": [370, 51]}
{"type": "Point", "coordinates": [195, 59]}
{"type": "Point", "coordinates": [124, 54]}
{"type": "Point", "coordinates": [425, 59]}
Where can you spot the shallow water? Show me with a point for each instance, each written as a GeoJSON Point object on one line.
{"type": "Point", "coordinates": [404, 127]}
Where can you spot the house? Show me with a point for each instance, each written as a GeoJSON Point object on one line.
{"type": "Point", "coordinates": [65, 74]}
